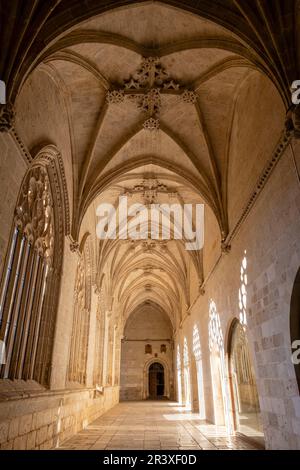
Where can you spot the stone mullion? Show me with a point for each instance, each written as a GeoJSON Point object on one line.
{"type": "Point", "coordinates": [43, 356]}
{"type": "Point", "coordinates": [84, 343]}
{"type": "Point", "coordinates": [38, 319]}
{"type": "Point", "coordinates": [11, 287]}
{"type": "Point", "coordinates": [101, 351]}
{"type": "Point", "coordinates": [110, 356]}
{"type": "Point", "coordinates": [74, 339]}
{"type": "Point", "coordinates": [98, 376]}
{"type": "Point", "coordinates": [8, 272]}
{"type": "Point", "coordinates": [33, 325]}
{"type": "Point", "coordinates": [117, 360]}
{"type": "Point", "coordinates": [86, 339]}
{"type": "Point", "coordinates": [20, 312]}
{"type": "Point", "coordinates": [105, 348]}
{"type": "Point", "coordinates": [79, 348]}
{"type": "Point", "coordinates": [9, 308]}
{"type": "Point", "coordinates": [24, 328]}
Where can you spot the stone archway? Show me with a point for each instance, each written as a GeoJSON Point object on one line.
{"type": "Point", "coordinates": [156, 377]}
{"type": "Point", "coordinates": [242, 382]}
{"type": "Point", "coordinates": [147, 367]}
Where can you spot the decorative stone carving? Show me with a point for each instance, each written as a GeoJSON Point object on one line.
{"type": "Point", "coordinates": [151, 124]}
{"type": "Point", "coordinates": [151, 102]}
{"type": "Point", "coordinates": [150, 188]}
{"type": "Point", "coordinates": [34, 214]}
{"type": "Point", "coordinates": [74, 246]}
{"type": "Point", "coordinates": [115, 96]}
{"type": "Point", "coordinates": [145, 87]}
{"type": "Point", "coordinates": [150, 74]}
{"type": "Point", "coordinates": [189, 96]}
{"type": "Point", "coordinates": [7, 117]}
{"type": "Point", "coordinates": [79, 290]}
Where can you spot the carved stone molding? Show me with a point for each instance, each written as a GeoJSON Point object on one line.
{"type": "Point", "coordinates": [24, 151]}
{"type": "Point", "coordinates": [53, 159]}
{"type": "Point", "coordinates": [7, 117]}
{"type": "Point", "coordinates": [34, 212]}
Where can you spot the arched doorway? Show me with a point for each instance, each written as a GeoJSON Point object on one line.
{"type": "Point", "coordinates": [245, 403]}
{"type": "Point", "coordinates": [156, 377]}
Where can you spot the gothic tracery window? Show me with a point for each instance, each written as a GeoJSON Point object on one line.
{"type": "Point", "coordinates": [23, 322]}
{"type": "Point", "coordinates": [214, 329]}
{"type": "Point", "coordinates": [243, 292]}
{"type": "Point", "coordinates": [196, 343]}
{"type": "Point", "coordinates": [185, 353]}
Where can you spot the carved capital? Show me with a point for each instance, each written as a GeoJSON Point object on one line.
{"type": "Point", "coordinates": [7, 117]}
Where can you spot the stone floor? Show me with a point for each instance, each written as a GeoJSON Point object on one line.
{"type": "Point", "coordinates": [153, 425]}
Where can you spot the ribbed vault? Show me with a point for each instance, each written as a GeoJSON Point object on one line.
{"type": "Point", "coordinates": [152, 92]}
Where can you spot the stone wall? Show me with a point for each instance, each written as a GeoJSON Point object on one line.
{"type": "Point", "coordinates": [10, 182]}
{"type": "Point", "coordinates": [146, 326]}
{"type": "Point", "coordinates": [269, 238]}
{"type": "Point", "coordinates": [32, 417]}
{"type": "Point", "coordinates": [44, 419]}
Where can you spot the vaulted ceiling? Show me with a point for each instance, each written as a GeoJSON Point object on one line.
{"type": "Point", "coordinates": [30, 27]}
{"type": "Point", "coordinates": [152, 92]}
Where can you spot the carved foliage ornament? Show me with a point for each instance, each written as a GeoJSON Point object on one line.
{"type": "Point", "coordinates": [34, 215]}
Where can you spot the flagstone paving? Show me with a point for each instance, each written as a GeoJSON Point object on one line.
{"type": "Point", "coordinates": [154, 425]}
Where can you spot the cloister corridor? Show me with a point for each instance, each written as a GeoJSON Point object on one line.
{"type": "Point", "coordinates": [155, 425]}
{"type": "Point", "coordinates": [149, 225]}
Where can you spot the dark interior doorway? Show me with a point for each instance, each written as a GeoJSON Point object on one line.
{"type": "Point", "coordinates": [156, 380]}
